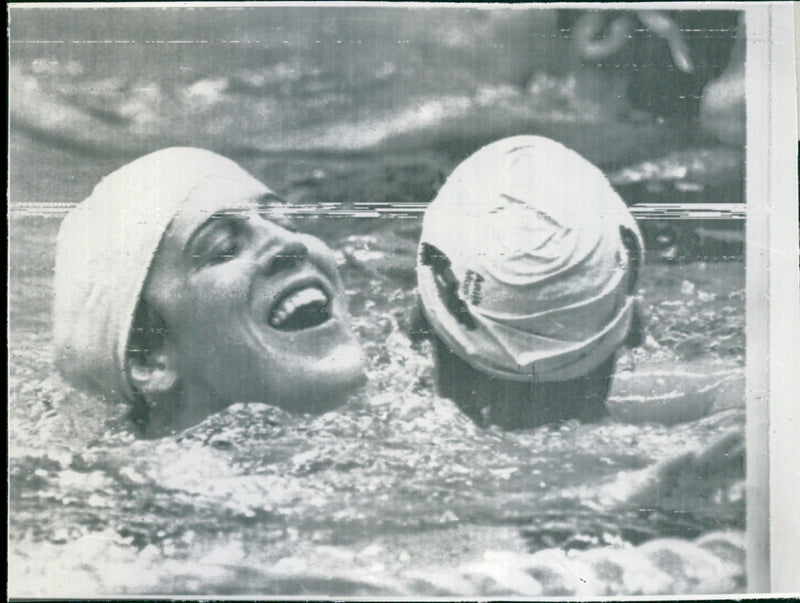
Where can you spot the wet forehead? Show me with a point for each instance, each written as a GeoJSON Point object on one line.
{"type": "Point", "coordinates": [217, 197]}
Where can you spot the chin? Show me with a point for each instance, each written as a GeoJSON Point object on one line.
{"type": "Point", "coordinates": [329, 384]}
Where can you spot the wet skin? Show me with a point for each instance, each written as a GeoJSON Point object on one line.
{"type": "Point", "coordinates": [254, 312]}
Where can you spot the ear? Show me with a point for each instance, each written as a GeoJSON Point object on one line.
{"type": "Point", "coordinates": [156, 373]}
{"type": "Point", "coordinates": [633, 246]}
{"type": "Point", "coordinates": [419, 328]}
{"type": "Point", "coordinates": [636, 333]}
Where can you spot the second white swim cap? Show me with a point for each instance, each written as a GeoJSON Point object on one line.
{"type": "Point", "coordinates": [528, 262]}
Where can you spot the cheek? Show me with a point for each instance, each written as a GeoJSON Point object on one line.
{"type": "Point", "coordinates": [225, 285]}
{"type": "Point", "coordinates": [210, 303]}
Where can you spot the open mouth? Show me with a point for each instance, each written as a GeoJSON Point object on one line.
{"type": "Point", "coordinates": [300, 308]}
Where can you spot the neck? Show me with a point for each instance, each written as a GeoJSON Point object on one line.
{"type": "Point", "coordinates": [517, 404]}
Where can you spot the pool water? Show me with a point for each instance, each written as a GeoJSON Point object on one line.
{"type": "Point", "coordinates": [397, 492]}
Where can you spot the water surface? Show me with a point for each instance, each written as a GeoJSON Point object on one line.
{"type": "Point", "coordinates": [396, 493]}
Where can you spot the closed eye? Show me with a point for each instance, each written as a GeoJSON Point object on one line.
{"type": "Point", "coordinates": [217, 241]}
{"type": "Point", "coordinates": [223, 253]}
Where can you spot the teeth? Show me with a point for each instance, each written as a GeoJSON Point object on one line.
{"type": "Point", "coordinates": [296, 300]}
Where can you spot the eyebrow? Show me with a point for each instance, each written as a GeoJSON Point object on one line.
{"type": "Point", "coordinates": [270, 198]}
{"type": "Point", "coordinates": [263, 202]}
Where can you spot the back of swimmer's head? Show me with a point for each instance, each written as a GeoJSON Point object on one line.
{"type": "Point", "coordinates": [104, 249]}
{"type": "Point", "coordinates": [528, 263]}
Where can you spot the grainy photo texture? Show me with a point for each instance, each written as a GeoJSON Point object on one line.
{"type": "Point", "coordinates": [376, 300]}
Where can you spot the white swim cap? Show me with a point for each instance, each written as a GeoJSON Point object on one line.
{"type": "Point", "coordinates": [104, 250]}
{"type": "Point", "coordinates": [528, 262]}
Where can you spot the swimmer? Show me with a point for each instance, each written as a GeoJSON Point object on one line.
{"type": "Point", "coordinates": [175, 293]}
{"type": "Point", "coordinates": [527, 277]}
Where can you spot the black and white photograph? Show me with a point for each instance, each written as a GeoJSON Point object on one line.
{"type": "Point", "coordinates": [399, 300]}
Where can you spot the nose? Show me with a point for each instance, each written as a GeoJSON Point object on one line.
{"type": "Point", "coordinates": [291, 253]}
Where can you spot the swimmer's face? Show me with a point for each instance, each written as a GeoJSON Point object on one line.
{"type": "Point", "coordinates": [254, 312]}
